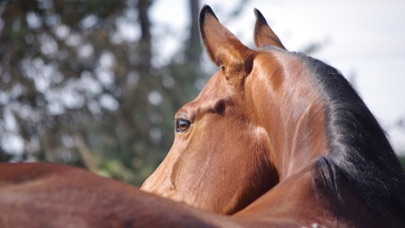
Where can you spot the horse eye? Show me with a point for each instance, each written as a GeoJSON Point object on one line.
{"type": "Point", "coordinates": [182, 125]}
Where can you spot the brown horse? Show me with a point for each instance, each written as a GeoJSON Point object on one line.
{"type": "Point", "coordinates": [280, 123]}
{"type": "Point", "coordinates": [275, 138]}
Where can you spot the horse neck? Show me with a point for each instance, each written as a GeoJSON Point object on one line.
{"type": "Point", "coordinates": [292, 113]}
{"type": "Point", "coordinates": [334, 135]}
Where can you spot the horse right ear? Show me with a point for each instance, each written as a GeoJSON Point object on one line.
{"type": "Point", "coordinates": [264, 35]}
{"type": "Point", "coordinates": [223, 48]}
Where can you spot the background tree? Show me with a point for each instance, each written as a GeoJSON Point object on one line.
{"type": "Point", "coordinates": [77, 87]}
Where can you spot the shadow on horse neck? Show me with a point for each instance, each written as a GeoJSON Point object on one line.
{"type": "Point", "coordinates": [281, 131]}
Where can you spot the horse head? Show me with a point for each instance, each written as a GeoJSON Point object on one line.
{"type": "Point", "coordinates": [222, 157]}
{"type": "Point", "coordinates": [269, 118]}
{"type": "Point", "coordinates": [218, 152]}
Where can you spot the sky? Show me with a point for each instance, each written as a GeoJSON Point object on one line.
{"type": "Point", "coordinates": [364, 39]}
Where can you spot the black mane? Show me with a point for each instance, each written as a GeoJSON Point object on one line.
{"type": "Point", "coordinates": [360, 151]}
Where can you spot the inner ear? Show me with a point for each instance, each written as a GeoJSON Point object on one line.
{"type": "Point", "coordinates": [223, 48]}
{"type": "Point", "coordinates": [264, 35]}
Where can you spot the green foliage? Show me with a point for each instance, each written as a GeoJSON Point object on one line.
{"type": "Point", "coordinates": [75, 90]}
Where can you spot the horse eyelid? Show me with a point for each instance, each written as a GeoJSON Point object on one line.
{"type": "Point", "coordinates": [182, 125]}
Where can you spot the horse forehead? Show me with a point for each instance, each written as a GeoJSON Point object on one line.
{"type": "Point", "coordinates": [213, 91]}
{"type": "Point", "coordinates": [216, 87]}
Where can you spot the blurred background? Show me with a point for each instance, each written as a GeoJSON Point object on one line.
{"type": "Point", "coordinates": [96, 83]}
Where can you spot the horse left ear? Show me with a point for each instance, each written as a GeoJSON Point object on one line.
{"type": "Point", "coordinates": [223, 48]}
{"type": "Point", "coordinates": [264, 35]}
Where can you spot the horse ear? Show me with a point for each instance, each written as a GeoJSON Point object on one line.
{"type": "Point", "coordinates": [223, 48]}
{"type": "Point", "coordinates": [264, 35]}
